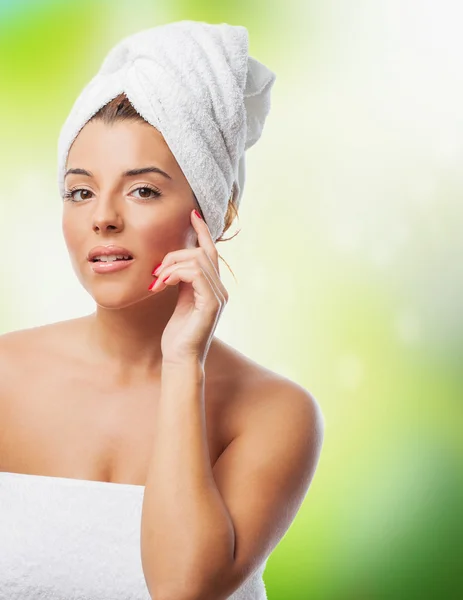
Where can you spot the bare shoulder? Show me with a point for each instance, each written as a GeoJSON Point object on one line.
{"type": "Point", "coordinates": [49, 336]}
{"type": "Point", "coordinates": [20, 337]}
{"type": "Point", "coordinates": [22, 351]}
{"type": "Point", "coordinates": [264, 474]}
{"type": "Point", "coordinates": [15, 347]}
{"type": "Point", "coordinates": [8, 360]}
{"type": "Point", "coordinates": [264, 397]}
{"type": "Point", "coordinates": [25, 359]}
{"type": "Point", "coordinates": [286, 408]}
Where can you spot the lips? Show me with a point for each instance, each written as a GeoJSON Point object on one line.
{"type": "Point", "coordinates": [107, 251]}
{"type": "Point", "coordinates": [110, 267]}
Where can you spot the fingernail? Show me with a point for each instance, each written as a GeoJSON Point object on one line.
{"type": "Point", "coordinates": [153, 283]}
{"type": "Point", "coordinates": [197, 214]}
{"type": "Point", "coordinates": [156, 268]}
{"type": "Point", "coordinates": [164, 280]}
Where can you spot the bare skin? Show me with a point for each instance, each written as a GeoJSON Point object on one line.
{"type": "Point", "coordinates": [82, 393]}
{"type": "Point", "coordinates": [83, 398]}
{"type": "Point", "coordinates": [65, 415]}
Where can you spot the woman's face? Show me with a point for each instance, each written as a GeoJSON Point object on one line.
{"type": "Point", "coordinates": [107, 207]}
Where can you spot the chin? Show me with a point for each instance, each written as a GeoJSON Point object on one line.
{"type": "Point", "coordinates": [118, 299]}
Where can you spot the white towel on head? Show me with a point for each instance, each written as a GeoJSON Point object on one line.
{"type": "Point", "coordinates": [196, 84]}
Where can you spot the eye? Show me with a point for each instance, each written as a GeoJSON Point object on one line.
{"type": "Point", "coordinates": [69, 194]}
{"type": "Point", "coordinates": [145, 188]}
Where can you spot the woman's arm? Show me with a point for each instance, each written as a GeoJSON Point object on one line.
{"type": "Point", "coordinates": [205, 532]}
{"type": "Point", "coordinates": [185, 524]}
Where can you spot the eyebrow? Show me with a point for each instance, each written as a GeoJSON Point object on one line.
{"type": "Point", "coordinates": [129, 173]}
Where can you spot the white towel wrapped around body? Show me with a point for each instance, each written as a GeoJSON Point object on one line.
{"type": "Point", "coordinates": [196, 83]}
{"type": "Point", "coordinates": [78, 539]}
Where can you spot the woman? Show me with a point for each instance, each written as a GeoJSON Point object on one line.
{"type": "Point", "coordinates": [142, 457]}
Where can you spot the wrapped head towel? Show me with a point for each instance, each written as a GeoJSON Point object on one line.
{"type": "Point", "coordinates": [196, 84]}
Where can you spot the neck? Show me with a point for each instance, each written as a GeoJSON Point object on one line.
{"type": "Point", "coordinates": [127, 341]}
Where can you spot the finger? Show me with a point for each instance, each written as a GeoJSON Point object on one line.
{"type": "Point", "coordinates": [194, 274]}
{"type": "Point", "coordinates": [214, 282]}
{"type": "Point", "coordinates": [205, 239]}
{"type": "Point", "coordinates": [199, 254]}
{"type": "Point", "coordinates": [185, 254]}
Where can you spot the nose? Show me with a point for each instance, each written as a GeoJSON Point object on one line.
{"type": "Point", "coordinates": [106, 217]}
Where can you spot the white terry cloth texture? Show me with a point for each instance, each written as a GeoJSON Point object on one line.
{"type": "Point", "coordinates": [196, 83]}
{"type": "Point", "coordinates": [77, 539]}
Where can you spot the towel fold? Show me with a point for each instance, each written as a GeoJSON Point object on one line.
{"type": "Point", "coordinates": [196, 83]}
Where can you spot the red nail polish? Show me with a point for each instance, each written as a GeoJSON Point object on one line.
{"type": "Point", "coordinates": [197, 214]}
{"type": "Point", "coordinates": [164, 280]}
{"type": "Point", "coordinates": [156, 267]}
{"type": "Point", "coordinates": [152, 285]}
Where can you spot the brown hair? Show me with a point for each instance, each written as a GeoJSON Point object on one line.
{"type": "Point", "coordinates": [121, 109]}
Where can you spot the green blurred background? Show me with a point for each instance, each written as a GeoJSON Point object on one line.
{"type": "Point", "coordinates": [349, 259]}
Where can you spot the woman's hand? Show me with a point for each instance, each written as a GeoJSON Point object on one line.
{"type": "Point", "coordinates": [201, 298]}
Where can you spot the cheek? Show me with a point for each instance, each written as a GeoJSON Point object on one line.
{"type": "Point", "coordinates": [70, 235]}
{"type": "Point", "coordinates": [166, 236]}
{"type": "Point", "coordinates": [76, 246]}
